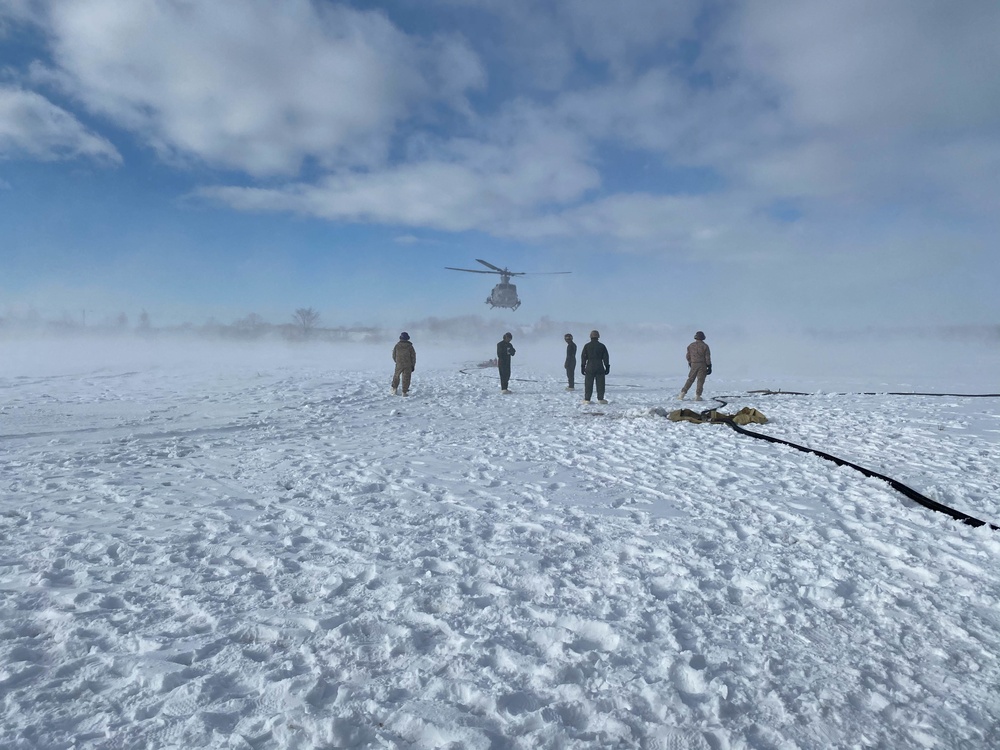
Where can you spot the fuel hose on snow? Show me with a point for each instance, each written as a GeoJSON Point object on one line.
{"type": "Point", "coordinates": [901, 488]}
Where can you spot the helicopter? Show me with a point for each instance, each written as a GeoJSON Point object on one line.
{"type": "Point", "coordinates": [504, 294]}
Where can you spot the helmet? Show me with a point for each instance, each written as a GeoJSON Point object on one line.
{"type": "Point", "coordinates": [508, 335]}
{"type": "Point", "coordinates": [568, 336]}
{"type": "Point", "coordinates": [700, 335]}
{"type": "Point", "coordinates": [595, 334]}
{"type": "Point", "coordinates": [404, 336]}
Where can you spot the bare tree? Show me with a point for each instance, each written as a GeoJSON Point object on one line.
{"type": "Point", "coordinates": [306, 318]}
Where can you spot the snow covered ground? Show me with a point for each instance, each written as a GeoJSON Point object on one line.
{"type": "Point", "coordinates": [265, 549]}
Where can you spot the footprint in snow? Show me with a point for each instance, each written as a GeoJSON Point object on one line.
{"type": "Point", "coordinates": [673, 738]}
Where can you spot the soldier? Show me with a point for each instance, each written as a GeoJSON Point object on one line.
{"type": "Point", "coordinates": [699, 359]}
{"type": "Point", "coordinates": [594, 364]}
{"type": "Point", "coordinates": [505, 350]}
{"type": "Point", "coordinates": [570, 360]}
{"type": "Point", "coordinates": [405, 357]}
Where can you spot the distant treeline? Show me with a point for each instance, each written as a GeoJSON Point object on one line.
{"type": "Point", "coordinates": [306, 324]}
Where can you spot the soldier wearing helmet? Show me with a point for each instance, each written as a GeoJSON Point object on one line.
{"type": "Point", "coordinates": [594, 365]}
{"type": "Point", "coordinates": [405, 357]}
{"type": "Point", "coordinates": [699, 359]}
{"type": "Point", "coordinates": [570, 360]}
{"type": "Point", "coordinates": [505, 350]}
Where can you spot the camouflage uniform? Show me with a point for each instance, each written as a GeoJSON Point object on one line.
{"type": "Point", "coordinates": [699, 359]}
{"type": "Point", "coordinates": [405, 357]}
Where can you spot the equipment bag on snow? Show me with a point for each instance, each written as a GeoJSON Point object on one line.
{"type": "Point", "coordinates": [744, 416]}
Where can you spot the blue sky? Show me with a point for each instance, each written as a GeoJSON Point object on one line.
{"type": "Point", "coordinates": [708, 163]}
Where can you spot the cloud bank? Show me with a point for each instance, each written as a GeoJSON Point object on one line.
{"type": "Point", "coordinates": [347, 114]}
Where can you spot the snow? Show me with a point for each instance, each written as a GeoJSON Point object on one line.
{"type": "Point", "coordinates": [262, 548]}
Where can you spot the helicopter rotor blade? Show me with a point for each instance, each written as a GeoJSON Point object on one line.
{"type": "Point", "coordinates": [490, 265]}
{"type": "Point", "coordinates": [504, 271]}
{"type": "Point", "coordinates": [469, 270]}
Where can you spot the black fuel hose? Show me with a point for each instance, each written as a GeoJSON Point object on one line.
{"type": "Point", "coordinates": [903, 489]}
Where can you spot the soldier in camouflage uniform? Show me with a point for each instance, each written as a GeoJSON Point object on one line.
{"type": "Point", "coordinates": [699, 359]}
{"type": "Point", "coordinates": [405, 357]}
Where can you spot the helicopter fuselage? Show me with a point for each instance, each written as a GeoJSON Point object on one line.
{"type": "Point", "coordinates": [504, 294]}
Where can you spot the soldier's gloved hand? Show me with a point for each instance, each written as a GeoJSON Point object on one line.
{"type": "Point", "coordinates": [607, 370]}
{"type": "Point", "coordinates": [708, 370]}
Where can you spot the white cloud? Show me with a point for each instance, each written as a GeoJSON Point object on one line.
{"type": "Point", "coordinates": [18, 11]}
{"type": "Point", "coordinates": [626, 29]}
{"type": "Point", "coordinates": [260, 87]}
{"type": "Point", "coordinates": [965, 173]}
{"type": "Point", "coordinates": [855, 103]}
{"type": "Point", "coordinates": [543, 40]}
{"type": "Point", "coordinates": [896, 65]}
{"type": "Point", "coordinates": [852, 104]}
{"type": "Point", "coordinates": [32, 126]}
{"type": "Point", "coordinates": [516, 163]}
{"type": "Point", "coordinates": [454, 69]}
{"type": "Point", "coordinates": [852, 101]}
{"type": "Point", "coordinates": [717, 228]}
{"type": "Point", "coordinates": [450, 196]}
